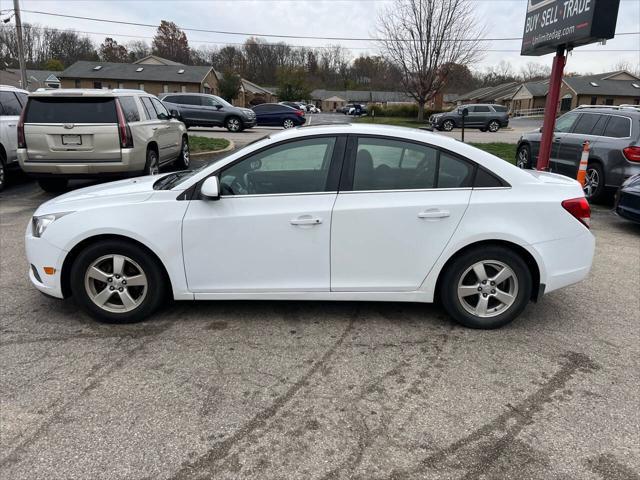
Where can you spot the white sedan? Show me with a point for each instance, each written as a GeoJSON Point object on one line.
{"type": "Point", "coordinates": [343, 212]}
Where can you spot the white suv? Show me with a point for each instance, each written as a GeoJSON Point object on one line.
{"type": "Point", "coordinates": [12, 101]}
{"type": "Point", "coordinates": [85, 133]}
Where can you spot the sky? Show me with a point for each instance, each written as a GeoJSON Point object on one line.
{"type": "Point", "coordinates": [322, 18]}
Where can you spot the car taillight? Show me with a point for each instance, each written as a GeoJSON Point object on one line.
{"type": "Point", "coordinates": [300, 113]}
{"type": "Point", "coordinates": [632, 154]}
{"type": "Point", "coordinates": [126, 140]}
{"type": "Point", "coordinates": [22, 142]}
{"type": "Point", "coordinates": [580, 209]}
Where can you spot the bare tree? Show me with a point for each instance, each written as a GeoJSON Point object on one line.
{"type": "Point", "coordinates": [535, 71]}
{"type": "Point", "coordinates": [424, 38]}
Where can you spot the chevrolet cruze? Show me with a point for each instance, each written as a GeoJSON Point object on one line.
{"type": "Point", "coordinates": [344, 212]}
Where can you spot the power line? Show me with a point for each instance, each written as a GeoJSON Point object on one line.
{"type": "Point", "coordinates": [247, 34]}
{"type": "Point", "coordinates": [209, 42]}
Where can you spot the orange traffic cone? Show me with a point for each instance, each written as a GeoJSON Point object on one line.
{"type": "Point", "coordinates": [584, 160]}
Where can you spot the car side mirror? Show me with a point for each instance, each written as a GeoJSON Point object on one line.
{"type": "Point", "coordinates": [218, 107]}
{"type": "Point", "coordinates": [210, 188]}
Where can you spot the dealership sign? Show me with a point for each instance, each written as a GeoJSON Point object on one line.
{"type": "Point", "coordinates": [567, 23]}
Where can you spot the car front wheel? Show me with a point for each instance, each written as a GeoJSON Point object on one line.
{"type": "Point", "coordinates": [184, 158]}
{"type": "Point", "coordinates": [233, 124]}
{"type": "Point", "coordinates": [448, 125]}
{"type": "Point", "coordinates": [486, 287]}
{"type": "Point", "coordinates": [493, 126]}
{"type": "Point", "coordinates": [117, 282]}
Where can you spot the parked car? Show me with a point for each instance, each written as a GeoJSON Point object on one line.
{"type": "Point", "coordinates": [204, 110]}
{"type": "Point", "coordinates": [87, 133]}
{"type": "Point", "coordinates": [346, 108]}
{"type": "Point", "coordinates": [357, 110]}
{"type": "Point", "coordinates": [614, 137]}
{"type": "Point", "coordinates": [296, 105]}
{"type": "Point", "coordinates": [277, 114]}
{"type": "Point", "coordinates": [12, 101]}
{"type": "Point", "coordinates": [627, 200]}
{"type": "Point", "coordinates": [412, 217]}
{"type": "Point", "coordinates": [314, 109]}
{"type": "Point", "coordinates": [482, 116]}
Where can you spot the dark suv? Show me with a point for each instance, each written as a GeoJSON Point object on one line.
{"type": "Point", "coordinates": [483, 116]}
{"type": "Point", "coordinates": [204, 110]}
{"type": "Point", "coordinates": [614, 136]}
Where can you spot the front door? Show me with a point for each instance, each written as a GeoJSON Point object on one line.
{"type": "Point", "coordinates": [169, 137]}
{"type": "Point", "coordinates": [588, 127]}
{"type": "Point", "coordinates": [564, 125]}
{"type": "Point", "coordinates": [406, 202]}
{"type": "Point", "coordinates": [270, 230]}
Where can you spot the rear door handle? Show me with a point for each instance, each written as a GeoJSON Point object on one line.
{"type": "Point", "coordinates": [306, 220]}
{"type": "Point", "coordinates": [12, 124]}
{"type": "Point", "coordinates": [434, 213]}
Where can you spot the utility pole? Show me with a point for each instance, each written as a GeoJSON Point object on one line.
{"type": "Point", "coordinates": [23, 70]}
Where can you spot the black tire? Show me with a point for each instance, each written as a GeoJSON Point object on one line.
{"type": "Point", "coordinates": [288, 123]}
{"type": "Point", "coordinates": [448, 125]}
{"type": "Point", "coordinates": [523, 157]}
{"type": "Point", "coordinates": [457, 272]}
{"type": "Point", "coordinates": [152, 165]}
{"type": "Point", "coordinates": [493, 126]}
{"type": "Point", "coordinates": [483, 129]}
{"type": "Point", "coordinates": [53, 185]}
{"type": "Point", "coordinates": [150, 302]}
{"type": "Point", "coordinates": [595, 191]}
{"type": "Point", "coordinates": [233, 124]}
{"type": "Point", "coordinates": [3, 170]}
{"type": "Point", "coordinates": [184, 157]}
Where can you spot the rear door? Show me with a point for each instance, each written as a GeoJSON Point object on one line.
{"type": "Point", "coordinates": [478, 116]}
{"type": "Point", "coordinates": [11, 104]}
{"type": "Point", "coordinates": [588, 127]}
{"type": "Point", "coordinates": [399, 204]}
{"type": "Point", "coordinates": [68, 129]}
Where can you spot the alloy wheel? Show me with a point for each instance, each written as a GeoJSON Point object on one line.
{"type": "Point", "coordinates": [487, 288]}
{"type": "Point", "coordinates": [523, 158]}
{"type": "Point", "coordinates": [288, 123]}
{"type": "Point", "coordinates": [1, 176]}
{"type": "Point", "coordinates": [591, 182]}
{"type": "Point", "coordinates": [154, 167]}
{"type": "Point", "coordinates": [447, 125]}
{"type": "Point", "coordinates": [494, 126]}
{"type": "Point", "coordinates": [233, 124]}
{"type": "Point", "coordinates": [116, 283]}
{"type": "Point", "coordinates": [185, 153]}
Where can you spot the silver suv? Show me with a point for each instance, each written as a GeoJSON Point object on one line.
{"type": "Point", "coordinates": [484, 116]}
{"type": "Point", "coordinates": [613, 133]}
{"type": "Point", "coordinates": [86, 133]}
{"type": "Point", "coordinates": [12, 101]}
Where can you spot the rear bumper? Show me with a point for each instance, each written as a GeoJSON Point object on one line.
{"type": "Point", "coordinates": [131, 161]}
{"type": "Point", "coordinates": [566, 261]}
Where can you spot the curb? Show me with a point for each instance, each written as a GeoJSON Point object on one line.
{"type": "Point", "coordinates": [229, 147]}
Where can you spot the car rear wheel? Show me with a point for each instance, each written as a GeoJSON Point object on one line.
{"type": "Point", "coordinates": [184, 159]}
{"type": "Point", "coordinates": [448, 125]}
{"type": "Point", "coordinates": [493, 126]}
{"type": "Point", "coordinates": [594, 183]}
{"type": "Point", "coordinates": [486, 287]}
{"type": "Point", "coordinates": [233, 124]}
{"type": "Point", "coordinates": [523, 157]}
{"type": "Point", "coordinates": [117, 282]}
{"type": "Point", "coordinates": [53, 185]}
{"type": "Point", "coordinates": [152, 167]}
{"type": "Point", "coordinates": [288, 123]}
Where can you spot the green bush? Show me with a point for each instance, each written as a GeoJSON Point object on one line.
{"type": "Point", "coordinates": [401, 110]}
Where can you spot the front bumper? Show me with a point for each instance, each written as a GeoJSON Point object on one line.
{"type": "Point", "coordinates": [249, 122]}
{"type": "Point", "coordinates": [130, 162]}
{"type": "Point", "coordinates": [40, 254]}
{"type": "Point", "coordinates": [628, 205]}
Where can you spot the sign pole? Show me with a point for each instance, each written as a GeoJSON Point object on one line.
{"type": "Point", "coordinates": [551, 109]}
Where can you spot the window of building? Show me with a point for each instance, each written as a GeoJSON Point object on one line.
{"type": "Point", "coordinates": [141, 86]}
{"type": "Point", "coordinates": [183, 88]}
{"type": "Point", "coordinates": [594, 100]}
{"type": "Point", "coordinates": [77, 83]}
{"type": "Point", "coordinates": [608, 101]}
{"type": "Point", "coordinates": [120, 85]}
{"type": "Point", "coordinates": [165, 88]}
{"type": "Point", "coordinates": [97, 85]}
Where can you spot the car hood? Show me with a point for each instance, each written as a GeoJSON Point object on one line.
{"type": "Point", "coordinates": [131, 190]}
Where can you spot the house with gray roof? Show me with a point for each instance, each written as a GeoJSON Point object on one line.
{"type": "Point", "coordinates": [35, 78]}
{"type": "Point", "coordinates": [612, 88]}
{"type": "Point", "coordinates": [153, 77]}
{"type": "Point", "coordinates": [332, 100]}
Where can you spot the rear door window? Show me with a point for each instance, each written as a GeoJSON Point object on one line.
{"type": "Point", "coordinates": [500, 108]}
{"type": "Point", "coordinates": [10, 104]}
{"type": "Point", "coordinates": [618, 127]}
{"type": "Point", "coordinates": [71, 110]}
{"type": "Point", "coordinates": [481, 109]}
{"type": "Point", "coordinates": [148, 108]}
{"type": "Point", "coordinates": [586, 123]}
{"type": "Point", "coordinates": [130, 109]}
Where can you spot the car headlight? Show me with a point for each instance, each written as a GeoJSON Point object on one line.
{"type": "Point", "coordinates": [40, 223]}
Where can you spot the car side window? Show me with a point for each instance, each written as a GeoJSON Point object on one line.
{"type": "Point", "coordinates": [618, 127]}
{"type": "Point", "coordinates": [148, 108]}
{"type": "Point", "coordinates": [453, 172]}
{"type": "Point", "coordinates": [481, 109]}
{"type": "Point", "coordinates": [208, 102]}
{"type": "Point", "coordinates": [130, 109]}
{"type": "Point", "coordinates": [384, 164]}
{"type": "Point", "coordinates": [585, 123]}
{"type": "Point", "coordinates": [10, 104]}
{"type": "Point", "coordinates": [162, 112]}
{"type": "Point", "coordinates": [565, 122]}
{"type": "Point", "coordinates": [301, 166]}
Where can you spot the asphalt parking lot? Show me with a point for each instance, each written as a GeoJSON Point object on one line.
{"type": "Point", "coordinates": [293, 390]}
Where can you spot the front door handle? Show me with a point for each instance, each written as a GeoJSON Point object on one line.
{"type": "Point", "coordinates": [556, 139]}
{"type": "Point", "coordinates": [434, 213]}
{"type": "Point", "coordinates": [306, 220]}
